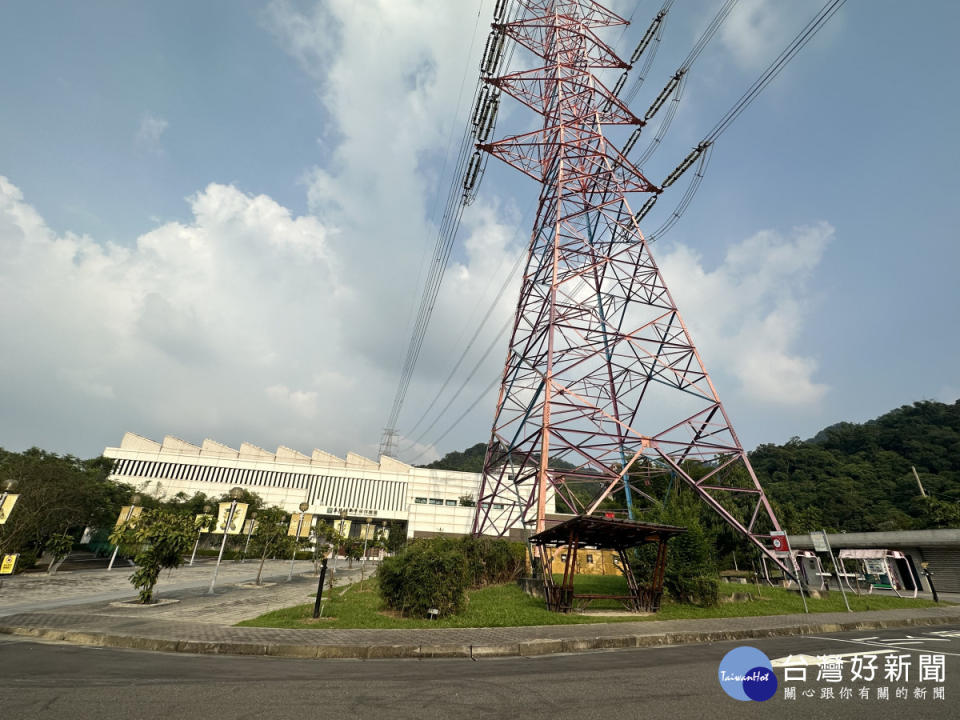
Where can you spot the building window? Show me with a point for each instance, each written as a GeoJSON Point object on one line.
{"type": "Point", "coordinates": [436, 501]}
{"type": "Point", "coordinates": [498, 506]}
{"type": "Point", "coordinates": [452, 503]}
{"type": "Point", "coordinates": [589, 558]}
{"type": "Point", "coordinates": [420, 501]}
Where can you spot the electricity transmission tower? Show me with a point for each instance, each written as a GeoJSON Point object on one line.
{"type": "Point", "coordinates": [603, 387]}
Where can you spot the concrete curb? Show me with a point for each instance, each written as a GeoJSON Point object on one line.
{"type": "Point", "coordinates": [525, 648]}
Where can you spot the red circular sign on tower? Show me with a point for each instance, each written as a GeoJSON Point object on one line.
{"type": "Point", "coordinates": [779, 540]}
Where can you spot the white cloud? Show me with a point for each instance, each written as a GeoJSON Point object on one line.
{"type": "Point", "coordinates": [249, 323]}
{"type": "Point", "coordinates": [178, 333]}
{"type": "Point", "coordinates": [746, 315]}
{"type": "Point", "coordinates": [150, 131]}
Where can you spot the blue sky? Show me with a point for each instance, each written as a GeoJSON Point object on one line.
{"type": "Point", "coordinates": [214, 216]}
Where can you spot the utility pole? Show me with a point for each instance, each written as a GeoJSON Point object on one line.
{"type": "Point", "coordinates": [919, 484]}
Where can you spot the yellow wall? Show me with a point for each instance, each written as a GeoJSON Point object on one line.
{"type": "Point", "coordinates": [589, 562]}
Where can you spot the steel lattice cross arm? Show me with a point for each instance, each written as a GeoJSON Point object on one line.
{"type": "Point", "coordinates": [603, 387]}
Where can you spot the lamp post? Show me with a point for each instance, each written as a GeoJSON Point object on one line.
{"type": "Point", "coordinates": [235, 494]}
{"type": "Point", "coordinates": [303, 508]}
{"type": "Point", "coordinates": [206, 510]}
{"type": "Point", "coordinates": [363, 560]}
{"type": "Point", "coordinates": [383, 540]}
{"type": "Point", "coordinates": [336, 546]}
{"type": "Point", "coordinates": [133, 504]}
{"type": "Point", "coordinates": [253, 521]}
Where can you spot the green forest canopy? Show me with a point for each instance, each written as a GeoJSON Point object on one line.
{"type": "Point", "coordinates": [850, 476]}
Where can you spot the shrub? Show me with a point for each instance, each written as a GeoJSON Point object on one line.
{"type": "Point", "coordinates": [436, 573]}
{"type": "Point", "coordinates": [491, 562]}
{"type": "Point", "coordinates": [424, 576]}
{"type": "Point", "coordinates": [703, 590]}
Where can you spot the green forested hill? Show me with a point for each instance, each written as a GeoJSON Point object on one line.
{"type": "Point", "coordinates": [857, 476]}
{"type": "Point", "coordinates": [851, 476]}
{"type": "Point", "coordinates": [470, 460]}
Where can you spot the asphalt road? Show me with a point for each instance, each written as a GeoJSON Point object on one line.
{"type": "Point", "coordinates": [51, 681]}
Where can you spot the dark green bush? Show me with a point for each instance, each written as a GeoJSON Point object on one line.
{"type": "Point", "coordinates": [491, 562]}
{"type": "Point", "coordinates": [422, 577]}
{"type": "Point", "coordinates": [702, 590]}
{"type": "Point", "coordinates": [436, 573]}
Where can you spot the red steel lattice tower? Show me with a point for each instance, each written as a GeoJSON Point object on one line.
{"type": "Point", "coordinates": [601, 372]}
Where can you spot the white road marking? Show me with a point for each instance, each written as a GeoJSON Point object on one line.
{"type": "Point", "coordinates": [875, 644]}
{"type": "Point", "coordinates": [819, 659]}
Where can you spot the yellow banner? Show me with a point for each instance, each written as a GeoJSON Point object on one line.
{"type": "Point", "coordinates": [128, 513]}
{"type": "Point", "coordinates": [250, 527]}
{"type": "Point", "coordinates": [304, 528]}
{"type": "Point", "coordinates": [8, 502]}
{"type": "Point", "coordinates": [8, 564]}
{"type": "Point", "coordinates": [204, 522]}
{"type": "Point", "coordinates": [342, 527]}
{"type": "Point", "coordinates": [368, 532]}
{"type": "Point", "coordinates": [238, 516]}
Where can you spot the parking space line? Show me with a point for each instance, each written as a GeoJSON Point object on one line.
{"type": "Point", "coordinates": [885, 645]}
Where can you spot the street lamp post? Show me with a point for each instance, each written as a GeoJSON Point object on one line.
{"type": "Point", "coordinates": [133, 504]}
{"type": "Point", "coordinates": [303, 508]}
{"type": "Point", "coordinates": [253, 521]}
{"type": "Point", "coordinates": [235, 494]}
{"type": "Point", "coordinates": [367, 522]}
{"type": "Point", "coordinates": [336, 546]}
{"type": "Point", "coordinates": [206, 509]}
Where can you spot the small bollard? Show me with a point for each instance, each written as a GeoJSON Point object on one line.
{"type": "Point", "coordinates": [323, 572]}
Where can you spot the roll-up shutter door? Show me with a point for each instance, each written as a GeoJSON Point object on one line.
{"type": "Point", "coordinates": [945, 568]}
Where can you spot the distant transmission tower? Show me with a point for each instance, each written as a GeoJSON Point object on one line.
{"type": "Point", "coordinates": [602, 385]}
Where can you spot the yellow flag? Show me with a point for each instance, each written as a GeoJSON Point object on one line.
{"type": "Point", "coordinates": [304, 528]}
{"type": "Point", "coordinates": [8, 502]}
{"type": "Point", "coordinates": [128, 513]}
{"type": "Point", "coordinates": [236, 524]}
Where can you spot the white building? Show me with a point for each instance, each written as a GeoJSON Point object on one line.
{"type": "Point", "coordinates": [427, 500]}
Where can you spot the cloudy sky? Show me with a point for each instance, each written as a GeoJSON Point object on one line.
{"type": "Point", "coordinates": [215, 217]}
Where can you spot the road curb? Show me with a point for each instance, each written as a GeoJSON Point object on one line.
{"type": "Point", "coordinates": [525, 648]}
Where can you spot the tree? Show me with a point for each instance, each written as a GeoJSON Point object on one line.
{"type": "Point", "coordinates": [270, 537]}
{"type": "Point", "coordinates": [353, 549]}
{"type": "Point", "coordinates": [58, 494]}
{"type": "Point", "coordinates": [162, 538]}
{"type": "Point", "coordinates": [58, 547]}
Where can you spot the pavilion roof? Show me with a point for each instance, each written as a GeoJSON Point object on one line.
{"type": "Point", "coordinates": [605, 532]}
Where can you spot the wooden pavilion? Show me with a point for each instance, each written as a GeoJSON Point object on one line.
{"type": "Point", "coordinates": [585, 531]}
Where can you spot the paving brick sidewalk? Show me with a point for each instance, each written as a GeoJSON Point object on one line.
{"type": "Point", "coordinates": [156, 633]}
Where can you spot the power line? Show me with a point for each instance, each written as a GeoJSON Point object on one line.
{"type": "Point", "coordinates": [700, 157]}
{"type": "Point", "coordinates": [704, 149]}
{"type": "Point", "coordinates": [466, 176]}
{"type": "Point", "coordinates": [503, 288]}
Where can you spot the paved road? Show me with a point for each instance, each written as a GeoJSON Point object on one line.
{"type": "Point", "coordinates": [52, 681]}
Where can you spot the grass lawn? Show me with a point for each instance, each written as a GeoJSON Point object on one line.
{"type": "Point", "coordinates": [508, 606]}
